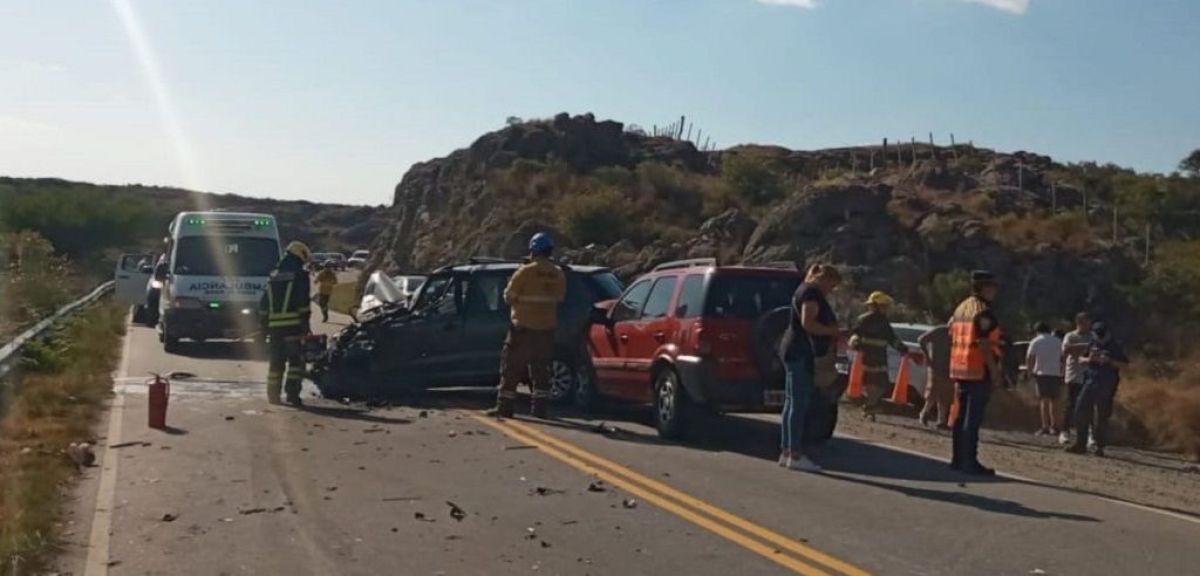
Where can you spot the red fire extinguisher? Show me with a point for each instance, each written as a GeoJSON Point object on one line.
{"type": "Point", "coordinates": [160, 393]}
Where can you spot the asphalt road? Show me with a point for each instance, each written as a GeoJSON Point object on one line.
{"type": "Point", "coordinates": [240, 487]}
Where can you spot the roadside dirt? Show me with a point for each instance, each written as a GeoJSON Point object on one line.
{"type": "Point", "coordinates": [1156, 479]}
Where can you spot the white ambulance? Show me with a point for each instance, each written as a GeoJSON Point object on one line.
{"type": "Point", "coordinates": [218, 265]}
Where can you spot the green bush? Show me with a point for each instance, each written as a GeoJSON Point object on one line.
{"type": "Point", "coordinates": [752, 179]}
{"type": "Point", "coordinates": [79, 222]}
{"type": "Point", "coordinates": [943, 294]}
{"type": "Point", "coordinates": [594, 216]}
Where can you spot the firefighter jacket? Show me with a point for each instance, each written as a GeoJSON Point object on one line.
{"type": "Point", "coordinates": [875, 335]}
{"type": "Point", "coordinates": [974, 335]}
{"type": "Point", "coordinates": [534, 293]}
{"type": "Point", "coordinates": [285, 302]}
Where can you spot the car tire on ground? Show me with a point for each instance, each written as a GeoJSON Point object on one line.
{"type": "Point", "coordinates": [138, 315]}
{"type": "Point", "coordinates": [672, 406]}
{"type": "Point", "coordinates": [170, 344]}
{"type": "Point", "coordinates": [585, 397]}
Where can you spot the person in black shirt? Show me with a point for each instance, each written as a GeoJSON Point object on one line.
{"type": "Point", "coordinates": [1102, 374]}
{"type": "Point", "coordinates": [808, 337]}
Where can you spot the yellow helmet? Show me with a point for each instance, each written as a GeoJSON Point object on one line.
{"type": "Point", "coordinates": [299, 250]}
{"type": "Point", "coordinates": [879, 299]}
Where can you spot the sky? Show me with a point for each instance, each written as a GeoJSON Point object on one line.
{"type": "Point", "coordinates": [333, 101]}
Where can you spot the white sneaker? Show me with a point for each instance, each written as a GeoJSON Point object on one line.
{"type": "Point", "coordinates": [1064, 438]}
{"type": "Point", "coordinates": [783, 459]}
{"type": "Point", "coordinates": [803, 464]}
{"type": "Point", "coordinates": [1091, 441]}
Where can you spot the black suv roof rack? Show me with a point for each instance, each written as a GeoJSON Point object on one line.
{"type": "Point", "coordinates": [694, 262]}
{"type": "Point", "coordinates": [780, 264]}
{"type": "Point", "coordinates": [492, 260]}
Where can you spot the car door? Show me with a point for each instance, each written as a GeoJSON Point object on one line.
{"type": "Point", "coordinates": [639, 340]}
{"type": "Point", "coordinates": [607, 355]}
{"type": "Point", "coordinates": [131, 276]}
{"type": "Point", "coordinates": [487, 322]}
{"type": "Point", "coordinates": [437, 333]}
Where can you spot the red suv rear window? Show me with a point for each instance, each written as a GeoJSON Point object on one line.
{"type": "Point", "coordinates": [748, 296]}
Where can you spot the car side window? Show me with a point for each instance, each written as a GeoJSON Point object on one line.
{"type": "Point", "coordinates": [485, 294]}
{"type": "Point", "coordinates": [658, 303]}
{"type": "Point", "coordinates": [691, 297]}
{"type": "Point", "coordinates": [629, 307]}
{"type": "Point", "coordinates": [451, 302]}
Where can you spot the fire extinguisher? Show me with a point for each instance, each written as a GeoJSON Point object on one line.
{"type": "Point", "coordinates": [160, 393]}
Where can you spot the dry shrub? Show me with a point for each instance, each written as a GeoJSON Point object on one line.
{"type": "Point", "coordinates": [1068, 231]}
{"type": "Point", "coordinates": [1164, 410]}
{"type": "Point", "coordinates": [49, 410]}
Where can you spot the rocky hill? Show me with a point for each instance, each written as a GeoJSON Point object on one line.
{"type": "Point", "coordinates": [909, 219]}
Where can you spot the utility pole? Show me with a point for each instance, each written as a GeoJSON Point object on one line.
{"type": "Point", "coordinates": [1114, 211]}
{"type": "Point", "coordinates": [682, 120]}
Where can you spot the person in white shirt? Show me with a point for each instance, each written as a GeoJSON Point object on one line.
{"type": "Point", "coordinates": [1044, 364]}
{"type": "Point", "coordinates": [1075, 345]}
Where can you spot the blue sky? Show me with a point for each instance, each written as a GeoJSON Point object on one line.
{"type": "Point", "coordinates": [333, 101]}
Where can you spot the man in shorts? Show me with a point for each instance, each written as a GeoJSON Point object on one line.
{"type": "Point", "coordinates": [1043, 363]}
{"type": "Point", "coordinates": [1075, 344]}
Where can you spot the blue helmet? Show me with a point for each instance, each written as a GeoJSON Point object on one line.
{"type": "Point", "coordinates": [541, 242]}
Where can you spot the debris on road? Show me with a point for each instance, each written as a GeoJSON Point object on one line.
{"type": "Point", "coordinates": [372, 430]}
{"type": "Point", "coordinates": [629, 503]}
{"type": "Point", "coordinates": [605, 428]}
{"type": "Point", "coordinates": [249, 511]}
{"type": "Point", "coordinates": [81, 454]}
{"type": "Point", "coordinates": [420, 516]}
{"type": "Point", "coordinates": [170, 517]}
{"type": "Point", "coordinates": [544, 491]}
{"type": "Point", "coordinates": [531, 533]}
{"type": "Point", "coordinates": [520, 447]}
{"type": "Point", "coordinates": [456, 512]}
{"type": "Point", "coordinates": [423, 414]}
{"type": "Point", "coordinates": [228, 418]}
{"type": "Point", "coordinates": [597, 486]}
{"type": "Point", "coordinates": [452, 434]}
{"type": "Point", "coordinates": [401, 499]}
{"type": "Point", "coordinates": [568, 522]}
{"type": "Point", "coordinates": [545, 544]}
{"type": "Point", "coordinates": [130, 444]}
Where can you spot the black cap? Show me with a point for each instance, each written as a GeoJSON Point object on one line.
{"type": "Point", "coordinates": [983, 277]}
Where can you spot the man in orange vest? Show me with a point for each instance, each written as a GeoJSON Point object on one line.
{"type": "Point", "coordinates": [975, 353]}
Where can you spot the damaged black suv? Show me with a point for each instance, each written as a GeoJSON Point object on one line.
{"type": "Point", "coordinates": [453, 332]}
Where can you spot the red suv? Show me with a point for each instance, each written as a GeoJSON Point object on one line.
{"type": "Point", "coordinates": [694, 338]}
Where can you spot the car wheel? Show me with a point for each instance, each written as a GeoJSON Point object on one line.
{"type": "Point", "coordinates": [586, 397]}
{"type": "Point", "coordinates": [139, 315]}
{"type": "Point", "coordinates": [671, 405]}
{"type": "Point", "coordinates": [170, 344]}
{"type": "Point", "coordinates": [562, 381]}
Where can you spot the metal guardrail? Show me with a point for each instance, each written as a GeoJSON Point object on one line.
{"type": "Point", "coordinates": [10, 352]}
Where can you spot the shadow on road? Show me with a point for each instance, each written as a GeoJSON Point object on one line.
{"type": "Point", "coordinates": [977, 501]}
{"type": "Point", "coordinates": [210, 350]}
{"type": "Point", "coordinates": [349, 413]}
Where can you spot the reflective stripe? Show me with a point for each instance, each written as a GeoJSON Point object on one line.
{"type": "Point", "coordinates": [874, 369]}
{"type": "Point", "coordinates": [283, 323]}
{"type": "Point", "coordinates": [508, 394]}
{"type": "Point", "coordinates": [876, 342]}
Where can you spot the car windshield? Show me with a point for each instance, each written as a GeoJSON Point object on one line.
{"type": "Point", "coordinates": [748, 297]}
{"type": "Point", "coordinates": [431, 291]}
{"type": "Point", "coordinates": [608, 286]}
{"type": "Point", "coordinates": [225, 256]}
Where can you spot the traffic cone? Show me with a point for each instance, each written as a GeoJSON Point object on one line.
{"type": "Point", "coordinates": [854, 390]}
{"type": "Point", "coordinates": [900, 390]}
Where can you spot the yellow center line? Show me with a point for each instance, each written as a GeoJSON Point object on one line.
{"type": "Point", "coordinates": [759, 548]}
{"type": "Point", "coordinates": [688, 500]}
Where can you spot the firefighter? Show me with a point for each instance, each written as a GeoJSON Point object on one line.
{"type": "Point", "coordinates": [326, 280]}
{"type": "Point", "coordinates": [533, 293]}
{"type": "Point", "coordinates": [285, 306]}
{"type": "Point", "coordinates": [975, 355]}
{"type": "Point", "coordinates": [871, 337]}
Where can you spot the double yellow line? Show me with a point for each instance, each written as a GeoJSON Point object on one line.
{"type": "Point", "coordinates": [769, 544]}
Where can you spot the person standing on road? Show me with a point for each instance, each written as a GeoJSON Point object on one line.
{"type": "Point", "coordinates": [1075, 344]}
{"type": "Point", "coordinates": [1043, 364]}
{"type": "Point", "coordinates": [1103, 360]}
{"type": "Point", "coordinates": [285, 306]}
{"type": "Point", "coordinates": [809, 336]}
{"type": "Point", "coordinates": [975, 355]}
{"type": "Point", "coordinates": [533, 293]}
{"type": "Point", "coordinates": [871, 336]}
{"type": "Point", "coordinates": [939, 390]}
{"type": "Point", "coordinates": [326, 280]}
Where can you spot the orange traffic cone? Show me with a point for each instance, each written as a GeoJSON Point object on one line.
{"type": "Point", "coordinates": [900, 390]}
{"type": "Point", "coordinates": [854, 390]}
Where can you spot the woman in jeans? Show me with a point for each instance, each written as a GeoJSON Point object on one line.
{"type": "Point", "coordinates": [809, 337]}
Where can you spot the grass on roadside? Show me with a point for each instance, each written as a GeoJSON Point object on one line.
{"type": "Point", "coordinates": [55, 402]}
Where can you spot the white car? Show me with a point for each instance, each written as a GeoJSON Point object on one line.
{"type": "Point", "coordinates": [359, 259]}
{"type": "Point", "coordinates": [908, 333]}
{"type": "Point", "coordinates": [380, 289]}
{"type": "Point", "coordinates": [408, 286]}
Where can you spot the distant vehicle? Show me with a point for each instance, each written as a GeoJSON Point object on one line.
{"type": "Point", "coordinates": [694, 338]}
{"type": "Point", "coordinates": [358, 259]}
{"type": "Point", "coordinates": [218, 266]}
{"type": "Point", "coordinates": [335, 260]}
{"type": "Point", "coordinates": [909, 334]}
{"type": "Point", "coordinates": [453, 334]}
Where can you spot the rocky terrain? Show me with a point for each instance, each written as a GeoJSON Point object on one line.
{"type": "Point", "coordinates": [907, 219]}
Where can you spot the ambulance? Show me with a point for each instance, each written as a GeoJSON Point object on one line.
{"type": "Point", "coordinates": [217, 269]}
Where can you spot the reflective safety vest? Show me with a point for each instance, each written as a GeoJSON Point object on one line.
{"type": "Point", "coordinates": [286, 313]}
{"type": "Point", "coordinates": [968, 360]}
